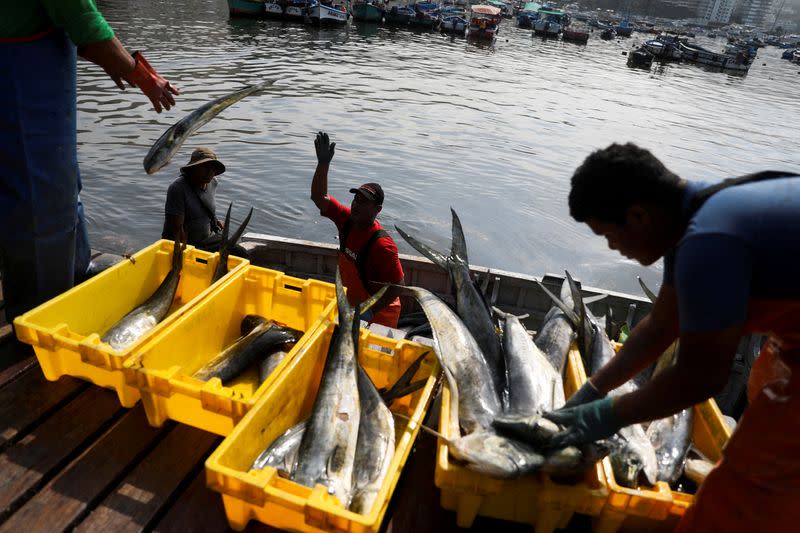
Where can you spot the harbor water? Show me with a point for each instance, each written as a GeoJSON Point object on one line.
{"type": "Point", "coordinates": [491, 130]}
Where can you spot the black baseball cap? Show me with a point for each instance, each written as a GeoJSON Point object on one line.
{"type": "Point", "coordinates": [372, 191]}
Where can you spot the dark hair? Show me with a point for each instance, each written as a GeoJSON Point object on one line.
{"type": "Point", "coordinates": [611, 180]}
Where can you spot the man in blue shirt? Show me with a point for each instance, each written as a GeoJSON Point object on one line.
{"type": "Point", "coordinates": [731, 255]}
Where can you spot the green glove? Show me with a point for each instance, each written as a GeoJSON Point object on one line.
{"type": "Point", "coordinates": [587, 393]}
{"type": "Point", "coordinates": [586, 423]}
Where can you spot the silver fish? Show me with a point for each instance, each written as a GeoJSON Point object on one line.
{"type": "Point", "coordinates": [327, 451]}
{"type": "Point", "coordinates": [282, 453]}
{"type": "Point", "coordinates": [671, 437]}
{"type": "Point", "coordinates": [554, 338]}
{"type": "Point", "coordinates": [146, 316]}
{"type": "Point", "coordinates": [488, 453]}
{"type": "Point", "coordinates": [269, 364]}
{"type": "Point", "coordinates": [375, 446]}
{"type": "Point", "coordinates": [470, 304]}
{"type": "Point", "coordinates": [533, 384]}
{"type": "Point", "coordinates": [165, 147]}
{"type": "Point", "coordinates": [467, 372]}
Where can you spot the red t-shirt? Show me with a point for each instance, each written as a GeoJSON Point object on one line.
{"type": "Point", "coordinates": [382, 264]}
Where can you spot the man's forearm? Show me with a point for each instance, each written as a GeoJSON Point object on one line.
{"type": "Point", "coordinates": [319, 184]}
{"type": "Point", "coordinates": [644, 345]}
{"type": "Point", "coordinates": [110, 55]}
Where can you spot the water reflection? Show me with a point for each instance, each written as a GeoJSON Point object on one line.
{"type": "Point", "coordinates": [491, 129]}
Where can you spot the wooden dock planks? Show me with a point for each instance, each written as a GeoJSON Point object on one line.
{"type": "Point", "coordinates": [147, 491]}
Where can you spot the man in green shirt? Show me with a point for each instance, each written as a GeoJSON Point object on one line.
{"type": "Point", "coordinates": [45, 239]}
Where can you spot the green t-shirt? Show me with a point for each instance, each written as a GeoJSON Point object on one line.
{"type": "Point", "coordinates": [79, 18]}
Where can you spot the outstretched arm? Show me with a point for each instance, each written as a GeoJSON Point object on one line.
{"type": "Point", "coordinates": [319, 184]}
{"type": "Point", "coordinates": [646, 343]}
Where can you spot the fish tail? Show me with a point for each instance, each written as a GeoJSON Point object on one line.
{"type": "Point", "coordinates": [458, 248]}
{"type": "Point", "coordinates": [436, 257]}
{"type": "Point", "coordinates": [583, 328]}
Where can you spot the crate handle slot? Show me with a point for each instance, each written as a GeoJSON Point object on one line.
{"type": "Point", "coordinates": [201, 260]}
{"type": "Point", "coordinates": [293, 287]}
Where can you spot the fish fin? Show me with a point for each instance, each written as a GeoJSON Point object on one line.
{"type": "Point", "coordinates": [405, 380]}
{"type": "Point", "coordinates": [436, 257]}
{"type": "Point", "coordinates": [369, 302]}
{"type": "Point", "coordinates": [569, 313]}
{"type": "Point", "coordinates": [177, 254]}
{"type": "Point", "coordinates": [238, 233]}
{"type": "Point", "coordinates": [222, 265]}
{"type": "Point", "coordinates": [458, 248]}
{"type": "Point", "coordinates": [650, 294]}
{"type": "Point", "coordinates": [584, 327]}
{"type": "Point", "coordinates": [502, 314]}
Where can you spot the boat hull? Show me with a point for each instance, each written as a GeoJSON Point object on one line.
{"type": "Point", "coordinates": [321, 15]}
{"type": "Point", "coordinates": [245, 8]}
{"type": "Point", "coordinates": [367, 13]}
{"type": "Point", "coordinates": [273, 10]}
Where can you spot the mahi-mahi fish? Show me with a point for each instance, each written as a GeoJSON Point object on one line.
{"type": "Point", "coordinates": [470, 304]}
{"type": "Point", "coordinates": [470, 379]}
{"type": "Point", "coordinates": [165, 147]}
{"type": "Point", "coordinates": [264, 339]}
{"type": "Point", "coordinates": [327, 450]}
{"type": "Point", "coordinates": [375, 445]}
{"type": "Point", "coordinates": [146, 316]}
{"type": "Point", "coordinates": [533, 384]}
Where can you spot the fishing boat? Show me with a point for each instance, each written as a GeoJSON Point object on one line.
{"type": "Point", "coordinates": [664, 47]}
{"type": "Point", "coordinates": [528, 14]}
{"type": "Point", "coordinates": [576, 34]}
{"type": "Point", "coordinates": [640, 58]}
{"type": "Point", "coordinates": [368, 11]}
{"type": "Point", "coordinates": [551, 22]}
{"type": "Point", "coordinates": [273, 9]}
{"type": "Point", "coordinates": [245, 8]}
{"type": "Point", "coordinates": [697, 54]}
{"type": "Point", "coordinates": [326, 12]}
{"type": "Point", "coordinates": [608, 34]}
{"type": "Point", "coordinates": [400, 15]}
{"type": "Point", "coordinates": [296, 10]}
{"type": "Point", "coordinates": [425, 15]}
{"type": "Point", "coordinates": [484, 22]}
{"type": "Point", "coordinates": [453, 24]}
{"type": "Point", "coordinates": [624, 28]}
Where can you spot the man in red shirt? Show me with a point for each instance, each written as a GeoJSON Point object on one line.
{"type": "Point", "coordinates": [367, 254]}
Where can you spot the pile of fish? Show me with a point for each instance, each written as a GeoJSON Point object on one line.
{"type": "Point", "coordinates": [500, 383]}
{"type": "Point", "coordinates": [348, 441]}
{"type": "Point", "coordinates": [262, 341]}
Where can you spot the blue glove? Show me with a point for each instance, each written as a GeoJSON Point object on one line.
{"type": "Point", "coordinates": [585, 423]}
{"type": "Point", "coordinates": [367, 315]}
{"type": "Point", "coordinates": [587, 393]}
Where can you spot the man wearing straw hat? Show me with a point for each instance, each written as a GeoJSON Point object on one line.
{"type": "Point", "coordinates": [190, 209]}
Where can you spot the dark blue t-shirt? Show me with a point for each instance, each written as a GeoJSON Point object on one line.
{"type": "Point", "coordinates": [743, 244]}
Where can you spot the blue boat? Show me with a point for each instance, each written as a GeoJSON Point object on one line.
{"type": "Point", "coordinates": [246, 8]}
{"type": "Point", "coordinates": [528, 15]}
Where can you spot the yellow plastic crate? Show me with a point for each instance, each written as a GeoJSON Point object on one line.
{"type": "Point", "coordinates": [535, 499]}
{"type": "Point", "coordinates": [65, 331]}
{"type": "Point", "coordinates": [658, 509]}
{"type": "Point", "coordinates": [162, 370]}
{"type": "Point", "coordinates": [264, 496]}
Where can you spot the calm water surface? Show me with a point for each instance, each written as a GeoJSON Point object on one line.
{"type": "Point", "coordinates": [494, 131]}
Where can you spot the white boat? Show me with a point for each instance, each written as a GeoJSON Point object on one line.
{"type": "Point", "coordinates": [550, 22]}
{"type": "Point", "coordinates": [453, 24]}
{"type": "Point", "coordinates": [273, 10]}
{"type": "Point", "coordinates": [697, 54]}
{"type": "Point", "coordinates": [319, 14]}
{"type": "Point", "coordinates": [296, 10]}
{"type": "Point", "coordinates": [484, 22]}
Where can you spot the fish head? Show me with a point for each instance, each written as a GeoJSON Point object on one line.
{"type": "Point", "coordinates": [632, 467]}
{"type": "Point", "coordinates": [493, 455]}
{"type": "Point", "coordinates": [534, 430]}
{"type": "Point", "coordinates": [162, 151]}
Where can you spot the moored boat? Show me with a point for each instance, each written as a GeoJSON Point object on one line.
{"type": "Point", "coordinates": [245, 8]}
{"type": "Point", "coordinates": [484, 22]}
{"type": "Point", "coordinates": [326, 12]}
{"type": "Point", "coordinates": [640, 58]}
{"type": "Point", "coordinates": [368, 11]}
{"type": "Point", "coordinates": [551, 22]}
{"type": "Point", "coordinates": [528, 15]}
{"type": "Point", "coordinates": [296, 10]}
{"type": "Point", "coordinates": [664, 47]}
{"type": "Point", "coordinates": [576, 34]}
{"type": "Point", "coordinates": [274, 9]}
{"type": "Point", "coordinates": [453, 24]}
{"type": "Point", "coordinates": [624, 28]}
{"type": "Point", "coordinates": [425, 15]}
{"type": "Point", "coordinates": [399, 15]}
{"type": "Point", "coordinates": [697, 54]}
